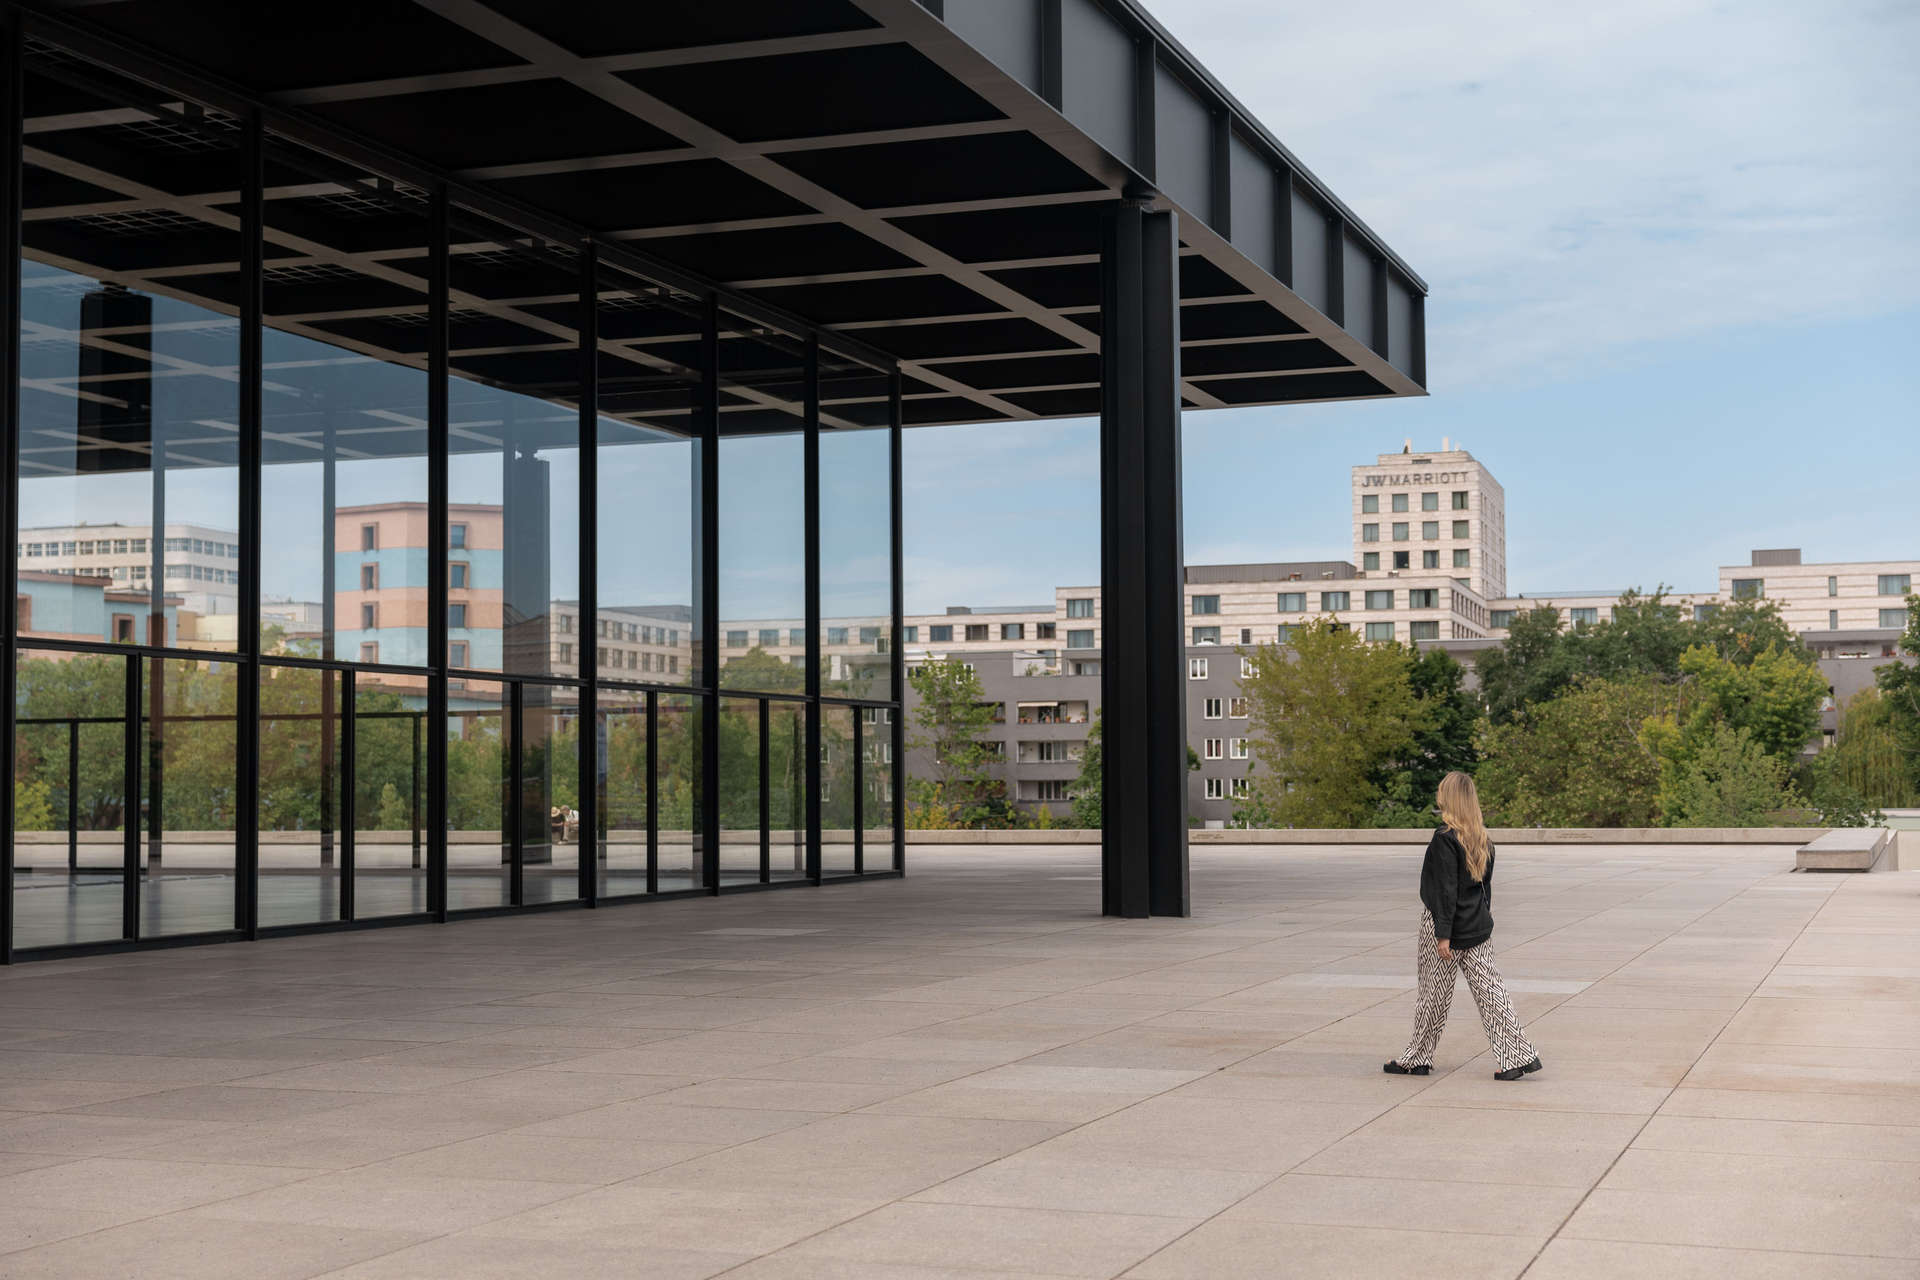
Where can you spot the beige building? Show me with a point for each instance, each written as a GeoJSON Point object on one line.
{"type": "Point", "coordinates": [1849, 596]}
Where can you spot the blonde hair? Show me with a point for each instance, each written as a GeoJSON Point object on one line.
{"type": "Point", "coordinates": [1459, 803]}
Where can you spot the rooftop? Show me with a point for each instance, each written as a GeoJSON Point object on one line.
{"type": "Point", "coordinates": [970, 1069]}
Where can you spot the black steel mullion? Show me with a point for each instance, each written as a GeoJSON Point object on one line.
{"type": "Point", "coordinates": [653, 791]}
{"type": "Point", "coordinates": [859, 792]}
{"type": "Point", "coordinates": [897, 714]}
{"type": "Point", "coordinates": [1336, 270]}
{"type": "Point", "coordinates": [73, 797]}
{"type": "Point", "coordinates": [247, 709]}
{"type": "Point", "coordinates": [130, 803]}
{"type": "Point", "coordinates": [1283, 226]}
{"type": "Point", "coordinates": [1051, 53]}
{"type": "Point", "coordinates": [437, 442]}
{"type": "Point", "coordinates": [349, 764]}
{"type": "Point", "coordinates": [707, 532]}
{"type": "Point", "coordinates": [516, 816]}
{"type": "Point", "coordinates": [1146, 149]}
{"type": "Point", "coordinates": [766, 793]}
{"type": "Point", "coordinates": [810, 484]}
{"type": "Point", "coordinates": [12, 115]}
{"type": "Point", "coordinates": [588, 764]}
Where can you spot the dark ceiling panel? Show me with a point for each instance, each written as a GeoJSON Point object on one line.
{"type": "Point", "coordinates": [991, 166]}
{"type": "Point", "coordinates": [498, 124]}
{"type": "Point", "coordinates": [941, 409]}
{"type": "Point", "coordinates": [272, 47]}
{"type": "Point", "coordinates": [1055, 288]}
{"type": "Point", "coordinates": [822, 249]}
{"type": "Point", "coordinates": [970, 338]}
{"type": "Point", "coordinates": [817, 94]}
{"type": "Point", "coordinates": [1034, 371]}
{"type": "Point", "coordinates": [997, 235]}
{"type": "Point", "coordinates": [1304, 386]}
{"type": "Point", "coordinates": [599, 30]}
{"type": "Point", "coordinates": [851, 301]}
{"type": "Point", "coordinates": [1059, 404]}
{"type": "Point", "coordinates": [1256, 357]}
{"type": "Point", "coordinates": [676, 194]}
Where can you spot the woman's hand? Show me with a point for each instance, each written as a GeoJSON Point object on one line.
{"type": "Point", "coordinates": [1446, 949]}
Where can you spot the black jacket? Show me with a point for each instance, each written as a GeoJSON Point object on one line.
{"type": "Point", "coordinates": [1462, 907]}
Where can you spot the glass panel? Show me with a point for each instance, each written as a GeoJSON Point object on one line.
{"type": "Point", "coordinates": [787, 788]}
{"type": "Point", "coordinates": [679, 791]}
{"type": "Point", "coordinates": [343, 566]}
{"type": "Point", "coordinates": [549, 794]}
{"type": "Point", "coordinates": [390, 797]}
{"type": "Point", "coordinates": [762, 503]}
{"type": "Point", "coordinates": [69, 796]}
{"type": "Point", "coordinates": [623, 791]}
{"type": "Point", "coordinates": [129, 342]}
{"type": "Point", "coordinates": [649, 466]}
{"type": "Point", "coordinates": [836, 790]}
{"type": "Point", "coordinates": [513, 475]}
{"type": "Point", "coordinates": [876, 818]}
{"type": "Point", "coordinates": [188, 789]}
{"type": "Point", "coordinates": [856, 529]}
{"type": "Point", "coordinates": [300, 767]}
{"type": "Point", "coordinates": [479, 861]}
{"type": "Point", "coordinates": [739, 790]}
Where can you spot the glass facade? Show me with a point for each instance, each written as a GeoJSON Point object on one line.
{"type": "Point", "coordinates": [373, 552]}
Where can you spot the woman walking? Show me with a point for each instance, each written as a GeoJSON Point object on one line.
{"type": "Point", "coordinates": [1456, 928]}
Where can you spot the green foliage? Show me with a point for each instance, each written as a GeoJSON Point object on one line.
{"type": "Point", "coordinates": [1774, 696]}
{"type": "Point", "coordinates": [1086, 790]}
{"type": "Point", "coordinates": [394, 813]}
{"type": "Point", "coordinates": [1329, 714]}
{"type": "Point", "coordinates": [1445, 743]}
{"type": "Point", "coordinates": [1867, 758]}
{"type": "Point", "coordinates": [1836, 801]}
{"type": "Point", "coordinates": [762, 672]}
{"type": "Point", "coordinates": [953, 721]}
{"type": "Point", "coordinates": [33, 807]}
{"type": "Point", "coordinates": [1728, 779]}
{"type": "Point", "coordinates": [1578, 760]}
{"type": "Point", "coordinates": [1534, 665]}
{"type": "Point", "coordinates": [1899, 685]}
{"type": "Point", "coordinates": [1741, 631]}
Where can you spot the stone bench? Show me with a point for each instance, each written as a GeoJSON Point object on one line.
{"type": "Point", "coordinates": [1845, 849]}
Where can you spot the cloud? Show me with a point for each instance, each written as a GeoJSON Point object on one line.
{"type": "Point", "coordinates": [1579, 184]}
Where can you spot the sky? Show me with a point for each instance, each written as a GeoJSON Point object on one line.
{"type": "Point", "coordinates": [1673, 253]}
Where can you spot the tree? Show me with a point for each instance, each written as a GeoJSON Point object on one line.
{"type": "Point", "coordinates": [762, 672]}
{"type": "Point", "coordinates": [1866, 757]}
{"type": "Point", "coordinates": [1645, 635]}
{"type": "Point", "coordinates": [953, 719]}
{"type": "Point", "coordinates": [1579, 760]}
{"type": "Point", "coordinates": [1446, 743]}
{"type": "Point", "coordinates": [1742, 630]}
{"type": "Point", "coordinates": [1774, 696]}
{"type": "Point", "coordinates": [1729, 780]}
{"type": "Point", "coordinates": [1328, 713]}
{"type": "Point", "coordinates": [1532, 666]}
{"type": "Point", "coordinates": [1088, 790]}
{"type": "Point", "coordinates": [1899, 684]}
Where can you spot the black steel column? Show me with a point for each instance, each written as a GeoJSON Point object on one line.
{"type": "Point", "coordinates": [1144, 740]}
{"type": "Point", "coordinates": [706, 517]}
{"type": "Point", "coordinates": [247, 703]}
{"type": "Point", "coordinates": [589, 764]}
{"type": "Point", "coordinates": [897, 716]}
{"type": "Point", "coordinates": [437, 372]}
{"type": "Point", "coordinates": [11, 109]}
{"type": "Point", "coordinates": [810, 487]}
{"type": "Point", "coordinates": [349, 762]}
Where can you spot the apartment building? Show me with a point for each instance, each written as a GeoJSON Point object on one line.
{"type": "Point", "coordinates": [1852, 596]}
{"type": "Point", "coordinates": [197, 563]}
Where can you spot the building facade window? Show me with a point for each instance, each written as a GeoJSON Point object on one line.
{"type": "Point", "coordinates": [1247, 669]}
{"type": "Point", "coordinates": [1423, 630]}
{"type": "Point", "coordinates": [1459, 499]}
{"type": "Point", "coordinates": [1896, 584]}
{"type": "Point", "coordinates": [1079, 639]}
{"type": "Point", "coordinates": [940, 633]}
{"type": "Point", "coordinates": [1429, 530]}
{"type": "Point", "coordinates": [1399, 502]}
{"type": "Point", "coordinates": [1216, 789]}
{"type": "Point", "coordinates": [1239, 787]}
{"type": "Point", "coordinates": [369, 651]}
{"type": "Point", "coordinates": [1283, 634]}
{"type": "Point", "coordinates": [1370, 561]}
{"type": "Point", "coordinates": [977, 631]}
{"type": "Point", "coordinates": [1237, 708]}
{"type": "Point", "coordinates": [1210, 709]}
{"type": "Point", "coordinates": [836, 635]}
{"type": "Point", "coordinates": [1833, 585]}
{"type": "Point", "coordinates": [1196, 668]}
{"type": "Point", "coordinates": [369, 617]}
{"type": "Point", "coordinates": [456, 536]}
{"type": "Point", "coordinates": [456, 615]}
{"type": "Point", "coordinates": [1749, 588]}
{"type": "Point", "coordinates": [1423, 598]}
{"type": "Point", "coordinates": [1206, 635]}
{"type": "Point", "coordinates": [1045, 630]}
{"type": "Point", "coordinates": [1429, 502]}
{"type": "Point", "coordinates": [1500, 618]}
{"type": "Point", "coordinates": [1462, 558]}
{"type": "Point", "coordinates": [1379, 599]}
{"type": "Point", "coordinates": [736, 639]}
{"type": "Point", "coordinates": [1893, 619]}
{"type": "Point", "coordinates": [1701, 612]}
{"type": "Point", "coordinates": [1460, 529]}
{"type": "Point", "coordinates": [1400, 531]}
{"type": "Point", "coordinates": [1237, 749]}
{"type": "Point", "coordinates": [1369, 504]}
{"type": "Point", "coordinates": [1332, 600]}
{"type": "Point", "coordinates": [1369, 533]}
{"type": "Point", "coordinates": [369, 576]}
{"type": "Point", "coordinates": [1013, 631]}
{"type": "Point", "coordinates": [1212, 749]}
{"type": "Point", "coordinates": [1379, 631]}
{"type": "Point", "coordinates": [457, 653]}
{"type": "Point", "coordinates": [1429, 559]}
{"type": "Point", "coordinates": [369, 537]}
{"type": "Point", "coordinates": [1291, 602]}
{"type": "Point", "coordinates": [1206, 604]}
{"type": "Point", "coordinates": [1402, 559]}
{"type": "Point", "coordinates": [1080, 607]}
{"type": "Point", "coordinates": [1583, 617]}
{"type": "Point", "coordinates": [1833, 619]}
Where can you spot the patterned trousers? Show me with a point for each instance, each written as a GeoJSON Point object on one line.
{"type": "Point", "coordinates": [1511, 1047]}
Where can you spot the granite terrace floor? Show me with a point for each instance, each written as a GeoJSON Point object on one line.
{"type": "Point", "coordinates": [967, 1073]}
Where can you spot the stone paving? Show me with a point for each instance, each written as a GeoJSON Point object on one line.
{"type": "Point", "coordinates": [968, 1073]}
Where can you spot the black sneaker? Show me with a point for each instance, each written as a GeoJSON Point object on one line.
{"type": "Point", "coordinates": [1516, 1072]}
{"type": "Point", "coordinates": [1395, 1069]}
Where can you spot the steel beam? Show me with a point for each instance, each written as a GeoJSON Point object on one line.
{"type": "Point", "coordinates": [1143, 732]}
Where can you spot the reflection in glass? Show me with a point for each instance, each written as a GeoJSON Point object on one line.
{"type": "Point", "coordinates": [301, 849]}
{"type": "Point", "coordinates": [128, 489]}
{"type": "Point", "coordinates": [856, 531]}
{"type": "Point", "coordinates": [344, 413]}
{"type": "Point", "coordinates": [876, 788]}
{"type": "Point", "coordinates": [787, 789]}
{"type": "Point", "coordinates": [740, 828]}
{"type": "Point", "coordinates": [648, 460]}
{"type": "Point", "coordinates": [549, 794]}
{"type": "Point", "coordinates": [679, 791]}
{"type": "Point", "coordinates": [762, 507]}
{"type": "Point", "coordinates": [69, 796]}
{"type": "Point", "coordinates": [188, 792]}
{"type": "Point", "coordinates": [479, 844]}
{"type": "Point", "coordinates": [837, 790]}
{"type": "Point", "coordinates": [623, 792]}
{"type": "Point", "coordinates": [513, 477]}
{"type": "Point", "coordinates": [389, 797]}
